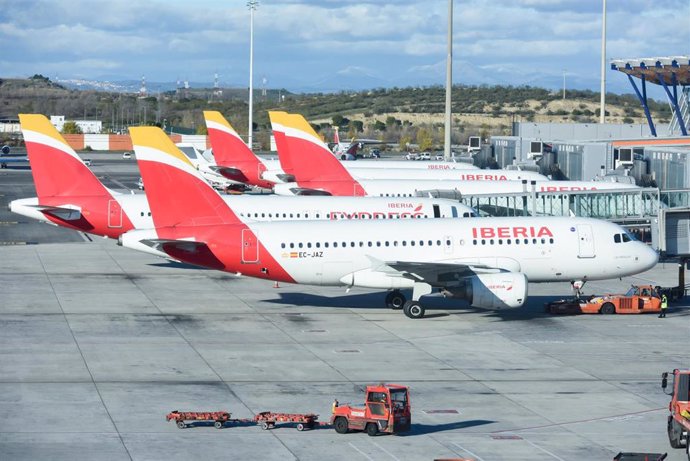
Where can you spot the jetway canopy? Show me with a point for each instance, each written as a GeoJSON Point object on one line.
{"type": "Point", "coordinates": [669, 72]}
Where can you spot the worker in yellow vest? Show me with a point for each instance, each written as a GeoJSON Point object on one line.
{"type": "Point", "coordinates": [664, 306]}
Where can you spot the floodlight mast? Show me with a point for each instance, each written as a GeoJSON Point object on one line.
{"type": "Point", "coordinates": [602, 98]}
{"type": "Point", "coordinates": [252, 4]}
{"type": "Point", "coordinates": [449, 83]}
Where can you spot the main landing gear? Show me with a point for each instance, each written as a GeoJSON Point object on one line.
{"type": "Point", "coordinates": [412, 308]}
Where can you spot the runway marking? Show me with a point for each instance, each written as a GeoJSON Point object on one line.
{"type": "Point", "coordinates": [6, 243]}
{"type": "Point", "coordinates": [579, 421]}
{"type": "Point", "coordinates": [361, 452]}
{"type": "Point", "coordinates": [544, 450]}
{"type": "Point", "coordinates": [119, 183]}
{"type": "Point", "coordinates": [85, 237]}
{"type": "Point", "coordinates": [384, 450]}
{"type": "Point", "coordinates": [479, 458]}
{"type": "Point", "coordinates": [8, 223]}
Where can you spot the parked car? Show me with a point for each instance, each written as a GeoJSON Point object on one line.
{"type": "Point", "coordinates": [425, 156]}
{"type": "Point", "coordinates": [375, 153]}
{"type": "Point", "coordinates": [440, 157]}
{"type": "Point", "coordinates": [87, 161]}
{"type": "Point", "coordinates": [412, 156]}
{"type": "Point", "coordinates": [127, 155]}
{"type": "Point", "coordinates": [140, 184]}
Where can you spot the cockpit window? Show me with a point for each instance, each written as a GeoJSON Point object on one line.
{"type": "Point", "coordinates": [624, 237]}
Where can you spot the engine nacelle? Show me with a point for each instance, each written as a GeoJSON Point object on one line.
{"type": "Point", "coordinates": [492, 291]}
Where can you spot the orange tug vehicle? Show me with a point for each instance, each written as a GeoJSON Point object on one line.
{"type": "Point", "coordinates": [678, 424]}
{"type": "Point", "coordinates": [638, 300]}
{"type": "Point", "coordinates": [386, 410]}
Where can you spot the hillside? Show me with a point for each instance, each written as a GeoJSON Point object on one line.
{"type": "Point", "coordinates": [396, 115]}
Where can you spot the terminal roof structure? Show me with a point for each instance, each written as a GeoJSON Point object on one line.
{"type": "Point", "coordinates": [669, 72]}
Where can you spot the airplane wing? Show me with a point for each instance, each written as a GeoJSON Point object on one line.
{"type": "Point", "coordinates": [436, 274]}
{"type": "Point", "coordinates": [234, 174]}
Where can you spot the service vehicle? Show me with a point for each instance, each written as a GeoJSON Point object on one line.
{"type": "Point", "coordinates": [678, 421]}
{"type": "Point", "coordinates": [386, 409]}
{"type": "Point", "coordinates": [638, 299]}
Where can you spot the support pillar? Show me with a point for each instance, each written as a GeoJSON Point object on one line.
{"type": "Point", "coordinates": [643, 100]}
{"type": "Point", "coordinates": [674, 101]}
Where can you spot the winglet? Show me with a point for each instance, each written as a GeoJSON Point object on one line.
{"type": "Point", "coordinates": [56, 168]}
{"type": "Point", "coordinates": [177, 193]}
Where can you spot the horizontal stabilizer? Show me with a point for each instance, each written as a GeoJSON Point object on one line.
{"type": "Point", "coordinates": [189, 251]}
{"type": "Point", "coordinates": [234, 174]}
{"type": "Point", "coordinates": [65, 212]}
{"type": "Point", "coordinates": [306, 191]}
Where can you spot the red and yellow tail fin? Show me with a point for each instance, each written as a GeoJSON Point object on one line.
{"type": "Point", "coordinates": [57, 170]}
{"type": "Point", "coordinates": [178, 195]}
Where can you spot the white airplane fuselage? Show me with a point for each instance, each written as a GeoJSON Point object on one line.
{"type": "Point", "coordinates": [351, 253]}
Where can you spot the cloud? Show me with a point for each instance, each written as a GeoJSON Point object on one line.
{"type": "Point", "coordinates": [401, 43]}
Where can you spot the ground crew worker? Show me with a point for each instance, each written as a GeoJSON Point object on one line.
{"type": "Point", "coordinates": [664, 306]}
{"type": "Point", "coordinates": [335, 405]}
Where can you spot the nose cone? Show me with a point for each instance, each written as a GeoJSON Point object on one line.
{"type": "Point", "coordinates": [646, 257]}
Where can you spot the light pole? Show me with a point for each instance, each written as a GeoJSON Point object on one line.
{"type": "Point", "coordinates": [602, 99]}
{"type": "Point", "coordinates": [252, 4]}
{"type": "Point", "coordinates": [449, 83]}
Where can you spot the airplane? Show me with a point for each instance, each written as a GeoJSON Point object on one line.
{"type": "Point", "coordinates": [348, 150]}
{"type": "Point", "coordinates": [311, 163]}
{"type": "Point", "coordinates": [236, 162]}
{"type": "Point", "coordinates": [70, 195]}
{"type": "Point", "coordinates": [205, 162]}
{"type": "Point", "coordinates": [318, 172]}
{"type": "Point", "coordinates": [7, 158]}
{"type": "Point", "coordinates": [486, 261]}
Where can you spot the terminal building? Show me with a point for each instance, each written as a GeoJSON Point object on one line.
{"type": "Point", "coordinates": [656, 158]}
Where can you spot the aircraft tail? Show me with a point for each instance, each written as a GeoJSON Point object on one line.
{"type": "Point", "coordinates": [314, 161]}
{"type": "Point", "coordinates": [234, 159]}
{"type": "Point", "coordinates": [177, 193]}
{"type": "Point", "coordinates": [56, 168]}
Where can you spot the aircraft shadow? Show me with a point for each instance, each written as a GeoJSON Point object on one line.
{"type": "Point", "coordinates": [178, 265]}
{"type": "Point", "coordinates": [534, 308]}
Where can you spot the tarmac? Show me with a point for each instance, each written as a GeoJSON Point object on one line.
{"type": "Point", "coordinates": [98, 343]}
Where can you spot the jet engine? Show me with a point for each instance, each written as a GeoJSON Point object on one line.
{"type": "Point", "coordinates": [492, 291]}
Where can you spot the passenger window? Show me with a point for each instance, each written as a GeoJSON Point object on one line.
{"type": "Point", "coordinates": [282, 245]}
{"type": "Point", "coordinates": [378, 244]}
{"type": "Point", "coordinates": [500, 241]}
{"type": "Point", "coordinates": [404, 243]}
{"type": "Point", "coordinates": [292, 245]}
{"type": "Point", "coordinates": [395, 243]}
{"type": "Point", "coordinates": [550, 240]}
{"type": "Point", "coordinates": [369, 243]}
{"type": "Point", "coordinates": [438, 242]}
{"type": "Point", "coordinates": [335, 244]}
{"type": "Point", "coordinates": [318, 244]}
{"type": "Point", "coordinates": [411, 243]}
{"type": "Point", "coordinates": [421, 243]}
{"type": "Point", "coordinates": [308, 244]}
{"type": "Point", "coordinates": [325, 244]}
{"type": "Point", "coordinates": [300, 245]}
{"type": "Point", "coordinates": [448, 242]}
{"type": "Point", "coordinates": [491, 241]}
{"type": "Point", "coordinates": [474, 242]}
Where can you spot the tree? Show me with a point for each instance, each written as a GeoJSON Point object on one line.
{"type": "Point", "coordinates": [424, 139]}
{"type": "Point", "coordinates": [404, 142]}
{"type": "Point", "coordinates": [71, 127]}
{"type": "Point", "coordinates": [358, 125]}
{"type": "Point", "coordinates": [379, 125]}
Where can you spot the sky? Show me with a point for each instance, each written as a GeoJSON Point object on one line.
{"type": "Point", "coordinates": [329, 45]}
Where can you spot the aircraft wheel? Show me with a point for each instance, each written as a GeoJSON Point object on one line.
{"type": "Point", "coordinates": [413, 310]}
{"type": "Point", "coordinates": [395, 300]}
{"type": "Point", "coordinates": [181, 425]}
{"type": "Point", "coordinates": [607, 309]}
